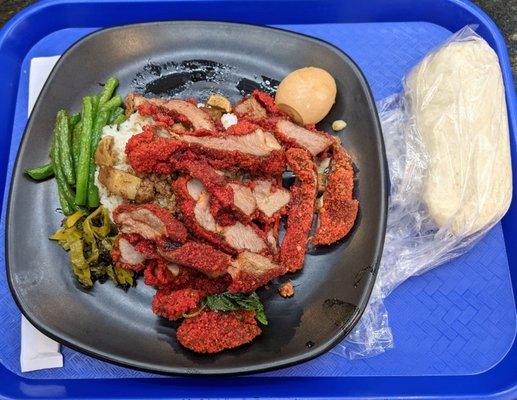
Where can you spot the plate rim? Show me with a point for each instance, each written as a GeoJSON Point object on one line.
{"type": "Point", "coordinates": [217, 371]}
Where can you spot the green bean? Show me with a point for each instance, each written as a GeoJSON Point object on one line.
{"type": "Point", "coordinates": [64, 142]}
{"type": "Point", "coordinates": [76, 144]}
{"type": "Point", "coordinates": [113, 102]}
{"type": "Point", "coordinates": [115, 114]}
{"type": "Point", "coordinates": [84, 155]}
{"type": "Point", "coordinates": [40, 173]}
{"type": "Point", "coordinates": [73, 120]}
{"type": "Point", "coordinates": [119, 119]}
{"type": "Point", "coordinates": [95, 103]}
{"type": "Point", "coordinates": [100, 121]}
{"type": "Point", "coordinates": [66, 194]}
{"type": "Point", "coordinates": [109, 87]}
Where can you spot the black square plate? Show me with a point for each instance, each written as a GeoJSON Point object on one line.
{"type": "Point", "coordinates": [331, 291]}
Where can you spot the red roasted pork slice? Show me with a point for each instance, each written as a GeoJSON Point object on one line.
{"type": "Point", "coordinates": [194, 203]}
{"type": "Point", "coordinates": [173, 304]}
{"type": "Point", "coordinates": [212, 332]}
{"type": "Point", "coordinates": [199, 256]}
{"type": "Point", "coordinates": [249, 271]}
{"type": "Point", "coordinates": [126, 256]}
{"type": "Point", "coordinates": [296, 136]}
{"type": "Point", "coordinates": [150, 222]}
{"type": "Point", "coordinates": [198, 118]}
{"type": "Point", "coordinates": [251, 109]}
{"type": "Point", "coordinates": [270, 199]}
{"type": "Point", "coordinates": [339, 210]}
{"type": "Point", "coordinates": [301, 210]}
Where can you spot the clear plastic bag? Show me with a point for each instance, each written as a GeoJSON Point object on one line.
{"type": "Point", "coordinates": [447, 144]}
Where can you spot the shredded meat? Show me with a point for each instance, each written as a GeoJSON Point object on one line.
{"type": "Point", "coordinates": [301, 210]}
{"type": "Point", "coordinates": [296, 136]}
{"type": "Point", "coordinates": [339, 210]}
{"type": "Point", "coordinates": [212, 332]}
{"type": "Point", "coordinates": [149, 221]}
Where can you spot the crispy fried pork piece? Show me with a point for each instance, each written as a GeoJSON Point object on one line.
{"type": "Point", "coordinates": [301, 210]}
{"type": "Point", "coordinates": [212, 332]}
{"type": "Point", "coordinates": [250, 109]}
{"type": "Point", "coordinates": [194, 203]}
{"type": "Point", "coordinates": [160, 273]}
{"type": "Point", "coordinates": [150, 222]}
{"type": "Point", "coordinates": [270, 200]}
{"type": "Point", "coordinates": [243, 198]}
{"type": "Point", "coordinates": [339, 210]}
{"type": "Point", "coordinates": [286, 289]}
{"type": "Point", "coordinates": [173, 304]}
{"type": "Point", "coordinates": [105, 155]}
{"type": "Point", "coordinates": [258, 143]}
{"type": "Point", "coordinates": [258, 152]}
{"type": "Point", "coordinates": [249, 271]}
{"type": "Point", "coordinates": [201, 257]}
{"type": "Point", "coordinates": [197, 117]}
{"type": "Point", "coordinates": [126, 185]}
{"type": "Point", "coordinates": [296, 136]}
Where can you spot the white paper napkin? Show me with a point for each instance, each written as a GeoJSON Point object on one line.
{"type": "Point", "coordinates": [37, 350]}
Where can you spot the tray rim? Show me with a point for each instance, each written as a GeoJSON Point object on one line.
{"type": "Point", "coordinates": [506, 385]}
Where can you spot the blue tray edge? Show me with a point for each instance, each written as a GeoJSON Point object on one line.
{"type": "Point", "coordinates": [8, 63]}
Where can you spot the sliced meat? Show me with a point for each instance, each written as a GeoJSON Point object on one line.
{"type": "Point", "coordinates": [212, 332]}
{"type": "Point", "coordinates": [243, 198]}
{"type": "Point", "coordinates": [150, 222]}
{"type": "Point", "coordinates": [174, 304]}
{"type": "Point", "coordinates": [296, 136]}
{"type": "Point", "coordinates": [339, 209]}
{"type": "Point", "coordinates": [301, 210]}
{"type": "Point", "coordinates": [249, 271]}
{"type": "Point", "coordinates": [128, 254]}
{"type": "Point", "coordinates": [195, 207]}
{"type": "Point", "coordinates": [201, 257]}
{"type": "Point", "coordinates": [197, 117]}
{"type": "Point", "coordinates": [160, 273]}
{"type": "Point", "coordinates": [269, 200]}
{"type": "Point", "coordinates": [243, 237]}
{"type": "Point", "coordinates": [105, 155]}
{"type": "Point", "coordinates": [126, 185]}
{"type": "Point", "coordinates": [251, 109]}
{"type": "Point", "coordinates": [259, 143]}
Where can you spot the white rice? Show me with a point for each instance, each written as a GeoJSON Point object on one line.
{"type": "Point", "coordinates": [121, 135]}
{"type": "Point", "coordinates": [228, 120]}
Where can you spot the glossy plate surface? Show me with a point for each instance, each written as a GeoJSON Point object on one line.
{"type": "Point", "coordinates": [195, 59]}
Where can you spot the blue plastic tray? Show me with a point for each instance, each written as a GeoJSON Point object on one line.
{"type": "Point", "coordinates": [456, 321]}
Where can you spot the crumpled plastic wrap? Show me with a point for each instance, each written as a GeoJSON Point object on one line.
{"type": "Point", "coordinates": [447, 144]}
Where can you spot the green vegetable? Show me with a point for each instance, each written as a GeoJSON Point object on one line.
{"type": "Point", "coordinates": [119, 119]}
{"type": "Point", "coordinates": [73, 120]}
{"type": "Point", "coordinates": [89, 240]}
{"type": "Point", "coordinates": [76, 144]}
{"type": "Point", "coordinates": [40, 173]}
{"type": "Point", "coordinates": [117, 112]}
{"type": "Point", "coordinates": [66, 194]}
{"type": "Point", "coordinates": [83, 168]}
{"type": "Point", "coordinates": [114, 102]}
{"type": "Point", "coordinates": [109, 87]}
{"type": "Point", "coordinates": [236, 301]}
{"type": "Point", "coordinates": [64, 141]}
{"type": "Point", "coordinates": [100, 121]}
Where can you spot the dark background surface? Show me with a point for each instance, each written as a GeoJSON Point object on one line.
{"type": "Point", "coordinates": [503, 12]}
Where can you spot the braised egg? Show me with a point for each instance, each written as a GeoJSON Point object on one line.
{"type": "Point", "coordinates": [307, 95]}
